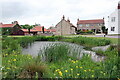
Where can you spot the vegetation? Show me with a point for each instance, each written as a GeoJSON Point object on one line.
{"type": "Point", "coordinates": [57, 62]}
{"type": "Point", "coordinates": [88, 42]}
{"type": "Point", "coordinates": [84, 32]}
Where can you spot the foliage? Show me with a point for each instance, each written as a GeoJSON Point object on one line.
{"type": "Point", "coordinates": [84, 32]}
{"type": "Point", "coordinates": [55, 53]}
{"type": "Point", "coordinates": [58, 63]}
{"type": "Point", "coordinates": [6, 31]}
{"type": "Point", "coordinates": [12, 64]}
{"type": "Point", "coordinates": [10, 46]}
{"type": "Point", "coordinates": [88, 42]}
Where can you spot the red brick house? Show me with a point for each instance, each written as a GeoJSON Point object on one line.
{"type": "Point", "coordinates": [90, 25]}
{"type": "Point", "coordinates": [11, 29]}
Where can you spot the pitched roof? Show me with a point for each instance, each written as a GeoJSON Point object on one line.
{"type": "Point", "coordinates": [95, 21]}
{"type": "Point", "coordinates": [6, 25]}
{"type": "Point", "coordinates": [31, 30]}
{"type": "Point", "coordinates": [52, 30]}
{"type": "Point", "coordinates": [39, 28]}
{"type": "Point", "coordinates": [71, 25]}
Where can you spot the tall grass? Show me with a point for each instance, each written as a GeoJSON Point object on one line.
{"type": "Point", "coordinates": [55, 53]}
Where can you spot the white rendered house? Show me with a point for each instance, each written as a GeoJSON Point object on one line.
{"type": "Point", "coordinates": [114, 21]}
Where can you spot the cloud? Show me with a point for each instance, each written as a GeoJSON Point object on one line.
{"type": "Point", "coordinates": [48, 12]}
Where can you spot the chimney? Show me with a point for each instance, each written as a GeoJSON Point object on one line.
{"type": "Point", "coordinates": [103, 18]}
{"type": "Point", "coordinates": [118, 5]}
{"type": "Point", "coordinates": [63, 17]}
{"type": "Point", "coordinates": [1, 23]}
{"type": "Point", "coordinates": [15, 22]}
{"type": "Point", "coordinates": [68, 20]}
{"type": "Point", "coordinates": [78, 19]}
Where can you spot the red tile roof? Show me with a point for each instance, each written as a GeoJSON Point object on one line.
{"type": "Point", "coordinates": [90, 21]}
{"type": "Point", "coordinates": [39, 28]}
{"type": "Point", "coordinates": [52, 30]}
{"type": "Point", "coordinates": [31, 30]}
{"type": "Point", "coordinates": [6, 25]}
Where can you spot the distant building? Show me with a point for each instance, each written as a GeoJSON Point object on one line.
{"type": "Point", "coordinates": [64, 27]}
{"type": "Point", "coordinates": [114, 21]}
{"type": "Point", "coordinates": [32, 31]}
{"type": "Point", "coordinates": [90, 25]}
{"type": "Point", "coordinates": [52, 30]}
{"type": "Point", "coordinates": [11, 29]}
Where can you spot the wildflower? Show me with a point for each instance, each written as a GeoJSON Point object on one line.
{"type": "Point", "coordinates": [57, 70]}
{"type": "Point", "coordinates": [71, 69]}
{"type": "Point", "coordinates": [89, 69]}
{"type": "Point", "coordinates": [66, 70]}
{"type": "Point", "coordinates": [76, 60]}
{"type": "Point", "coordinates": [78, 74]}
{"type": "Point", "coordinates": [81, 67]}
{"type": "Point", "coordinates": [76, 66]}
{"type": "Point", "coordinates": [60, 73]}
{"type": "Point", "coordinates": [14, 59]}
{"type": "Point", "coordinates": [73, 61]}
{"type": "Point", "coordinates": [92, 75]}
{"type": "Point", "coordinates": [85, 70]}
{"type": "Point", "coordinates": [7, 68]}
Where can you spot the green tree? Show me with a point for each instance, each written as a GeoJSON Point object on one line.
{"type": "Point", "coordinates": [103, 29]}
{"type": "Point", "coordinates": [26, 26]}
{"type": "Point", "coordinates": [43, 29]}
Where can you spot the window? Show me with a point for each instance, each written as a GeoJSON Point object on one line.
{"type": "Point", "coordinates": [80, 25]}
{"type": "Point", "coordinates": [112, 28]}
{"type": "Point", "coordinates": [87, 25]}
{"type": "Point", "coordinates": [113, 19]}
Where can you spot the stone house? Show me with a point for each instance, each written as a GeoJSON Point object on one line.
{"type": "Point", "coordinates": [64, 27]}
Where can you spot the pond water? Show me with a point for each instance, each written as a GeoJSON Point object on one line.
{"type": "Point", "coordinates": [39, 47]}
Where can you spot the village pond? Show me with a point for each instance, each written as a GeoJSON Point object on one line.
{"type": "Point", "coordinates": [39, 47]}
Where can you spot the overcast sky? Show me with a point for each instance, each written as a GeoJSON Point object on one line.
{"type": "Point", "coordinates": [50, 12]}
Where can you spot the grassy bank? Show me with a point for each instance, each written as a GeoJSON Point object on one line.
{"type": "Point", "coordinates": [57, 63]}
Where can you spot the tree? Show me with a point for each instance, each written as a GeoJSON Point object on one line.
{"type": "Point", "coordinates": [43, 29]}
{"type": "Point", "coordinates": [26, 26]}
{"type": "Point", "coordinates": [103, 29]}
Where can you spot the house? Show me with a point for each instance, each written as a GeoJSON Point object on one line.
{"type": "Point", "coordinates": [94, 25]}
{"type": "Point", "coordinates": [32, 31]}
{"type": "Point", "coordinates": [11, 29]}
{"type": "Point", "coordinates": [114, 21]}
{"type": "Point", "coordinates": [52, 30]}
{"type": "Point", "coordinates": [40, 29]}
{"type": "Point", "coordinates": [64, 27]}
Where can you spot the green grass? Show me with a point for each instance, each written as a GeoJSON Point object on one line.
{"type": "Point", "coordinates": [58, 63]}
{"type": "Point", "coordinates": [113, 40]}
